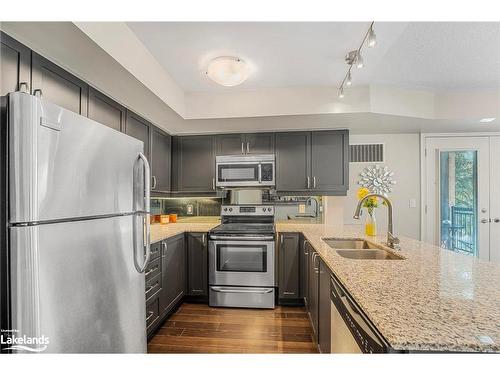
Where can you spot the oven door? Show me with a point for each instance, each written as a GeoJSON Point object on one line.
{"type": "Point", "coordinates": [237, 174]}
{"type": "Point", "coordinates": [241, 263]}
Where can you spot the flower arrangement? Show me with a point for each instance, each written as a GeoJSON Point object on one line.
{"type": "Point", "coordinates": [370, 203]}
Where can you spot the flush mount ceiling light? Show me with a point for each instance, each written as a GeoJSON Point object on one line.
{"type": "Point", "coordinates": [228, 71]}
{"type": "Point", "coordinates": [488, 119]}
{"type": "Point", "coordinates": [354, 58]}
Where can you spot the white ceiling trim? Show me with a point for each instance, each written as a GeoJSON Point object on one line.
{"type": "Point", "coordinates": [373, 98]}
{"type": "Point", "coordinates": [123, 45]}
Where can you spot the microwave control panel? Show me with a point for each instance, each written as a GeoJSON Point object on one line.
{"type": "Point", "coordinates": [267, 172]}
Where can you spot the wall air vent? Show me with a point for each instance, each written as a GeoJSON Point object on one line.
{"type": "Point", "coordinates": [366, 153]}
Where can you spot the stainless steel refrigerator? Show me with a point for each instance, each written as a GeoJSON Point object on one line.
{"type": "Point", "coordinates": [78, 230]}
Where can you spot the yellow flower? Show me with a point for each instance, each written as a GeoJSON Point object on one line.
{"type": "Point", "coordinates": [363, 192]}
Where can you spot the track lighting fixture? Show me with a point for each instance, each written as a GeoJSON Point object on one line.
{"type": "Point", "coordinates": [354, 58]}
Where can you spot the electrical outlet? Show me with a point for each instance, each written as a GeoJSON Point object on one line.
{"type": "Point", "coordinates": [189, 209]}
{"type": "Point", "coordinates": [302, 208]}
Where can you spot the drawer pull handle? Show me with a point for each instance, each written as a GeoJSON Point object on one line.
{"type": "Point", "coordinates": [152, 270]}
{"type": "Point", "coordinates": [151, 313]}
{"type": "Point", "coordinates": [151, 287]}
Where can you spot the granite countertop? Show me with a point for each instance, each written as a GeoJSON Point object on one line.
{"type": "Point", "coordinates": [434, 299]}
{"type": "Point", "coordinates": [160, 232]}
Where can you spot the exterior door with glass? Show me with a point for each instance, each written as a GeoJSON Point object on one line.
{"type": "Point", "coordinates": [457, 194]}
{"type": "Point", "coordinates": [495, 200]}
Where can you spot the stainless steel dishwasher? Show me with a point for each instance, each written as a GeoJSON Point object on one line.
{"type": "Point", "coordinates": [351, 331]}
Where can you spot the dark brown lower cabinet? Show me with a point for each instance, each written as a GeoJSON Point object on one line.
{"type": "Point", "coordinates": [304, 264]}
{"type": "Point", "coordinates": [313, 286]}
{"type": "Point", "coordinates": [288, 267]}
{"type": "Point", "coordinates": [173, 273]}
{"type": "Point", "coordinates": [324, 309]}
{"type": "Point", "coordinates": [197, 261]}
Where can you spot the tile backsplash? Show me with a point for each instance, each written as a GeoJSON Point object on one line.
{"type": "Point", "coordinates": [289, 207]}
{"type": "Point", "coordinates": [186, 206]}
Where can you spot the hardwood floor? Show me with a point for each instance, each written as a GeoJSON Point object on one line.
{"type": "Point", "coordinates": [198, 328]}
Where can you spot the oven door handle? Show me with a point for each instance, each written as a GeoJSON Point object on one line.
{"type": "Point", "coordinates": [242, 238]}
{"type": "Point", "coordinates": [235, 290]}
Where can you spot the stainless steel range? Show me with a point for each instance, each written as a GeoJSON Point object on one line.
{"type": "Point", "coordinates": [242, 257]}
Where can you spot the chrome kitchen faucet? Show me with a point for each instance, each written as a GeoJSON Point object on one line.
{"type": "Point", "coordinates": [392, 240]}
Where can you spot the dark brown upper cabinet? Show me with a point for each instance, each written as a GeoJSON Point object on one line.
{"type": "Point", "coordinates": [58, 86]}
{"type": "Point", "coordinates": [138, 128]}
{"type": "Point", "coordinates": [293, 160]}
{"type": "Point", "coordinates": [193, 164]}
{"type": "Point", "coordinates": [259, 143]}
{"type": "Point", "coordinates": [106, 111]}
{"type": "Point", "coordinates": [160, 160]}
{"type": "Point", "coordinates": [312, 162]}
{"type": "Point", "coordinates": [14, 65]}
{"type": "Point", "coordinates": [243, 144]}
{"type": "Point", "coordinates": [330, 160]}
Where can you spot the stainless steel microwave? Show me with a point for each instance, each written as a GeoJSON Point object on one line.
{"type": "Point", "coordinates": [245, 170]}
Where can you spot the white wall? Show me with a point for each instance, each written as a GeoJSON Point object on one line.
{"type": "Point", "coordinates": [402, 156]}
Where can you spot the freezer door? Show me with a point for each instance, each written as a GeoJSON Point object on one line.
{"type": "Point", "coordinates": [63, 165]}
{"type": "Point", "coordinates": [75, 284]}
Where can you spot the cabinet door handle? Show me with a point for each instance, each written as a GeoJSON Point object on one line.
{"type": "Point", "coordinates": [151, 313]}
{"type": "Point", "coordinates": [308, 182]}
{"type": "Point", "coordinates": [204, 239]}
{"type": "Point", "coordinates": [248, 147]}
{"type": "Point", "coordinates": [314, 182]}
{"type": "Point", "coordinates": [163, 249]}
{"type": "Point", "coordinates": [154, 183]}
{"type": "Point", "coordinates": [197, 290]}
{"type": "Point", "coordinates": [23, 87]}
{"type": "Point", "coordinates": [242, 149]}
{"type": "Point", "coordinates": [213, 183]}
{"type": "Point", "coordinates": [305, 252]}
{"type": "Point", "coordinates": [281, 239]}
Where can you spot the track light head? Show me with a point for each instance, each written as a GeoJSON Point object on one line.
{"type": "Point", "coordinates": [372, 38]}
{"type": "Point", "coordinates": [348, 81]}
{"type": "Point", "coordinates": [359, 61]}
{"type": "Point", "coordinates": [341, 92]}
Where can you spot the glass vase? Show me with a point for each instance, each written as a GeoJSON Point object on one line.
{"type": "Point", "coordinates": [371, 225]}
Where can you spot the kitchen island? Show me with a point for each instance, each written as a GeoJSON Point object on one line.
{"type": "Point", "coordinates": [433, 300]}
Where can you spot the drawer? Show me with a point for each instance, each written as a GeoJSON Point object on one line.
{"type": "Point", "coordinates": [155, 250]}
{"type": "Point", "coordinates": [152, 312]}
{"type": "Point", "coordinates": [153, 269]}
{"type": "Point", "coordinates": [153, 285]}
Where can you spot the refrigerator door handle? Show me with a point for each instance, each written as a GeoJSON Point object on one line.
{"type": "Point", "coordinates": [144, 216]}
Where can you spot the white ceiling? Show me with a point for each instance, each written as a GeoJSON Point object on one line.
{"type": "Point", "coordinates": [425, 55]}
{"type": "Point", "coordinates": [281, 54]}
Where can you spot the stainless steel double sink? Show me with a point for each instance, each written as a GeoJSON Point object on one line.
{"type": "Point", "coordinates": [357, 248]}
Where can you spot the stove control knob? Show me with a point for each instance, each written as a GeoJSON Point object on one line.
{"type": "Point", "coordinates": [230, 210]}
